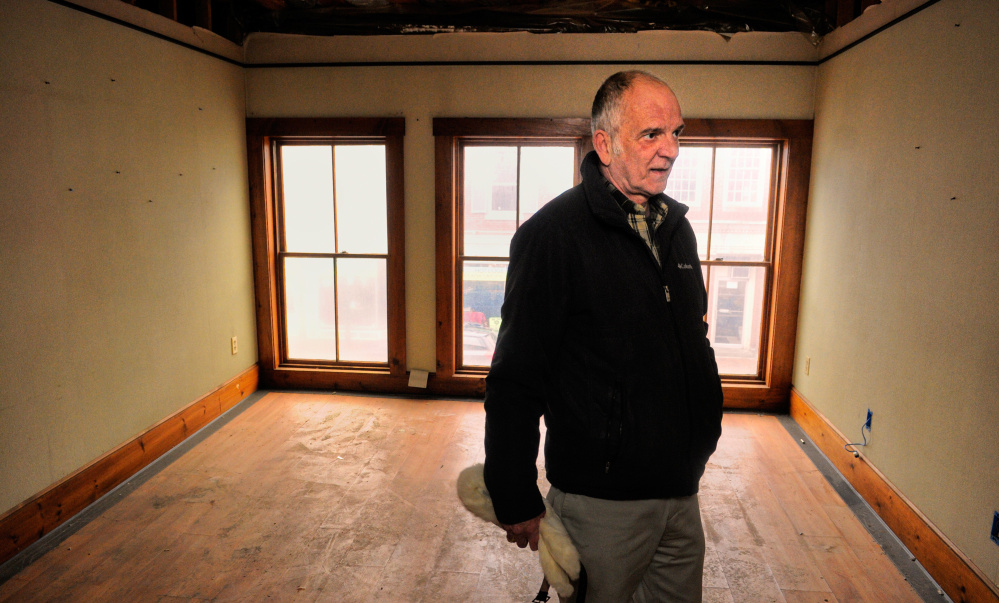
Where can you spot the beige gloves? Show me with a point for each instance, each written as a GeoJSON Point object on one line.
{"type": "Point", "coordinates": [558, 556]}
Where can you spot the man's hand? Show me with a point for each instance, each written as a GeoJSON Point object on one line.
{"type": "Point", "coordinates": [524, 533]}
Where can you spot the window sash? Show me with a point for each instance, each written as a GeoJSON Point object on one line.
{"type": "Point", "coordinates": [716, 205]}
{"type": "Point", "coordinates": [284, 305]}
{"type": "Point", "coordinates": [265, 137]}
{"type": "Point", "coordinates": [770, 388]}
{"type": "Point", "coordinates": [339, 359]}
{"type": "Point", "coordinates": [462, 259]}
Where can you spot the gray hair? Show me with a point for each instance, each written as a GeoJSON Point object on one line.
{"type": "Point", "coordinates": [606, 112]}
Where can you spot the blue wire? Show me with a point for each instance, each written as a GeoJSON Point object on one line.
{"type": "Point", "coordinates": [862, 428]}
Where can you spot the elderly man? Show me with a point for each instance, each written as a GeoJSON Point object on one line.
{"type": "Point", "coordinates": [603, 334]}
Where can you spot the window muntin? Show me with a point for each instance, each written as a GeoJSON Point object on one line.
{"type": "Point", "coordinates": [306, 247]}
{"type": "Point", "coordinates": [734, 194]}
{"type": "Point", "coordinates": [333, 255]}
{"type": "Point", "coordinates": [503, 184]}
{"type": "Point", "coordinates": [729, 188]}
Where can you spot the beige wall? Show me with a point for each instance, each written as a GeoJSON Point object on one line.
{"type": "Point", "coordinates": [119, 296]}
{"type": "Point", "coordinates": [116, 311]}
{"type": "Point", "coordinates": [424, 92]}
{"type": "Point", "coordinates": [898, 307]}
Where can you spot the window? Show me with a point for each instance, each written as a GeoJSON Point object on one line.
{"type": "Point", "coordinates": [501, 171]}
{"type": "Point", "coordinates": [328, 235]}
{"type": "Point", "coordinates": [732, 194]}
{"type": "Point", "coordinates": [745, 182]}
{"type": "Point", "coordinates": [503, 184]}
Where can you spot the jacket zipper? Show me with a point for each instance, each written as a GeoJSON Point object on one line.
{"type": "Point", "coordinates": [672, 322]}
{"type": "Point", "coordinates": [620, 434]}
{"type": "Point", "coordinates": [652, 256]}
{"type": "Point", "coordinates": [614, 423]}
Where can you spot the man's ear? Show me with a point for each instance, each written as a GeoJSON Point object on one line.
{"type": "Point", "coordinates": [602, 145]}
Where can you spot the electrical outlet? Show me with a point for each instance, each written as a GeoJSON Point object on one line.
{"type": "Point", "coordinates": [808, 364]}
{"type": "Point", "coordinates": [867, 423]}
{"type": "Point", "coordinates": [995, 527]}
{"type": "Point", "coordinates": [235, 348]}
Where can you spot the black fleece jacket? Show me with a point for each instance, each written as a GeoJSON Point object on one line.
{"type": "Point", "coordinates": [610, 348]}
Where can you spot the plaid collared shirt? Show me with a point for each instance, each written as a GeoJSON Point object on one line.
{"type": "Point", "coordinates": [645, 219]}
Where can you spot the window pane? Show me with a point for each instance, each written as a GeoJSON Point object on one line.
{"type": "Point", "coordinates": [363, 309]}
{"type": "Point", "coordinates": [742, 193]}
{"type": "Point", "coordinates": [482, 297]}
{"type": "Point", "coordinates": [545, 173]}
{"type": "Point", "coordinates": [361, 199]}
{"type": "Point", "coordinates": [735, 314]}
{"type": "Point", "coordinates": [690, 184]}
{"type": "Point", "coordinates": [490, 200]}
{"type": "Point", "coordinates": [307, 175]}
{"type": "Point", "coordinates": [310, 311]}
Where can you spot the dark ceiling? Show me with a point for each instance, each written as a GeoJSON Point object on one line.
{"type": "Point", "coordinates": [367, 17]}
{"type": "Point", "coordinates": [235, 19]}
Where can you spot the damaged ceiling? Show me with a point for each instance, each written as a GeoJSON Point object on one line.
{"type": "Point", "coordinates": [372, 17]}
{"type": "Point", "coordinates": [235, 19]}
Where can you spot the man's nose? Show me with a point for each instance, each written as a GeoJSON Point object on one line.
{"type": "Point", "coordinates": [669, 148]}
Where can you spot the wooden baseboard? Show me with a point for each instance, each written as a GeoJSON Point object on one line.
{"type": "Point", "coordinates": [953, 571]}
{"type": "Point", "coordinates": [738, 396]}
{"type": "Point", "coordinates": [758, 398]}
{"type": "Point", "coordinates": [371, 381]}
{"type": "Point", "coordinates": [29, 521]}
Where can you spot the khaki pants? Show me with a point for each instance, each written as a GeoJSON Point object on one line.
{"type": "Point", "coordinates": [643, 551]}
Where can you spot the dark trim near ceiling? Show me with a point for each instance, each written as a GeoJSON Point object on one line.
{"type": "Point", "coordinates": [139, 28]}
{"type": "Point", "coordinates": [516, 63]}
{"type": "Point", "coordinates": [891, 23]}
{"type": "Point", "coordinates": [93, 13]}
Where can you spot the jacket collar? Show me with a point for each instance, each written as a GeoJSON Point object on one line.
{"type": "Point", "coordinates": [604, 207]}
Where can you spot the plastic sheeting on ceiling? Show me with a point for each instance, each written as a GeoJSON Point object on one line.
{"type": "Point", "coordinates": [374, 17]}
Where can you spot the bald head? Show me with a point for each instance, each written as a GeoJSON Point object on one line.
{"type": "Point", "coordinates": [636, 133]}
{"type": "Point", "coordinates": [606, 111]}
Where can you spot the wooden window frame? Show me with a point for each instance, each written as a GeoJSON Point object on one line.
{"type": "Point", "coordinates": [450, 135]}
{"type": "Point", "coordinates": [769, 246]}
{"type": "Point", "coordinates": [580, 145]}
{"type": "Point", "coordinates": [770, 390]}
{"type": "Point", "coordinates": [263, 135]}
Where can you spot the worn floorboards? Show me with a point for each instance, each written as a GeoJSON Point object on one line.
{"type": "Point", "coordinates": [326, 497]}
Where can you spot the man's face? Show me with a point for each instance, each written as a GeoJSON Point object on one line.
{"type": "Point", "coordinates": [638, 157]}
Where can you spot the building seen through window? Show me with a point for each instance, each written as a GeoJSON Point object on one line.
{"type": "Point", "coordinates": [745, 183]}
{"type": "Point", "coordinates": [503, 185]}
{"type": "Point", "coordinates": [730, 194]}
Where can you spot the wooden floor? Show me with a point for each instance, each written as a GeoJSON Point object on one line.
{"type": "Point", "coordinates": [319, 497]}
